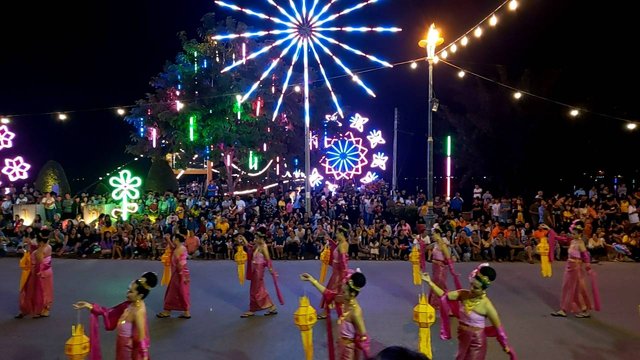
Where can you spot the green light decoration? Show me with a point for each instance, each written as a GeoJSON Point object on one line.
{"type": "Point", "coordinates": [192, 122]}
{"type": "Point", "coordinates": [126, 189]}
{"type": "Point", "coordinates": [253, 161]}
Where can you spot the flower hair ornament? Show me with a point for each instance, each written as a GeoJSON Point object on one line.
{"type": "Point", "coordinates": [576, 225]}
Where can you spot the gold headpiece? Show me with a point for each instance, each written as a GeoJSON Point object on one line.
{"type": "Point", "coordinates": [351, 285]}
{"type": "Point", "coordinates": [143, 281]}
{"type": "Point", "coordinates": [483, 279]}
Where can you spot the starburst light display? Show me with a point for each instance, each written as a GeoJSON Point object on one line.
{"type": "Point", "coordinates": [349, 154]}
{"type": "Point", "coordinates": [300, 29]}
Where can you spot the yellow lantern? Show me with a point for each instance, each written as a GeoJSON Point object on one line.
{"type": "Point", "coordinates": [166, 261]}
{"type": "Point", "coordinates": [305, 317]}
{"type": "Point", "coordinates": [325, 257]}
{"type": "Point", "coordinates": [25, 265]}
{"type": "Point", "coordinates": [424, 315]}
{"type": "Point", "coordinates": [241, 258]}
{"type": "Point", "coordinates": [77, 347]}
{"type": "Point", "coordinates": [414, 258]}
{"type": "Point", "coordinates": [543, 250]}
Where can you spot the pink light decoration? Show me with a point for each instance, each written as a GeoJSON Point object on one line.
{"type": "Point", "coordinates": [264, 147]}
{"type": "Point", "coordinates": [357, 122]}
{"type": "Point", "coordinates": [375, 138]}
{"type": "Point", "coordinates": [278, 165]}
{"type": "Point", "coordinates": [244, 53]}
{"type": "Point", "coordinates": [448, 177]}
{"type": "Point", "coordinates": [5, 137]}
{"type": "Point", "coordinates": [228, 160]}
{"type": "Point", "coordinates": [154, 137]}
{"type": "Point", "coordinates": [16, 169]}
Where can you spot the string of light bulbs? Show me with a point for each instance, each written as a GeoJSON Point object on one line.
{"type": "Point", "coordinates": [441, 55]}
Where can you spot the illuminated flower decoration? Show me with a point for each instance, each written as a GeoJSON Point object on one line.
{"type": "Point", "coordinates": [369, 178]}
{"type": "Point", "coordinates": [345, 157]}
{"type": "Point", "coordinates": [126, 188]}
{"type": "Point", "coordinates": [380, 161]}
{"type": "Point", "coordinates": [16, 169]}
{"type": "Point", "coordinates": [313, 142]}
{"type": "Point", "coordinates": [357, 122]}
{"type": "Point", "coordinates": [5, 137]}
{"type": "Point", "coordinates": [333, 118]}
{"type": "Point", "coordinates": [375, 138]}
{"type": "Point", "coordinates": [331, 187]}
{"type": "Point", "coordinates": [315, 178]}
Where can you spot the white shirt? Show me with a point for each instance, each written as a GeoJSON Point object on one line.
{"type": "Point", "coordinates": [633, 218]}
{"type": "Point", "coordinates": [477, 193]}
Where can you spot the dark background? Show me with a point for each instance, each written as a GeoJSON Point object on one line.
{"type": "Point", "coordinates": [87, 58]}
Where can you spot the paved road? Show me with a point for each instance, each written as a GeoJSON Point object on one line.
{"type": "Point", "coordinates": [523, 298]}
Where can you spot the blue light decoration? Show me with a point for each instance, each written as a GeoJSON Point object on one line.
{"type": "Point", "coordinates": [303, 29]}
{"type": "Point", "coordinates": [141, 128]}
{"type": "Point", "coordinates": [349, 152]}
{"type": "Point", "coordinates": [344, 157]}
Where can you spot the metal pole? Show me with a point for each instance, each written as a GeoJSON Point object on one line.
{"type": "Point", "coordinates": [307, 134]}
{"type": "Point", "coordinates": [430, 214]}
{"type": "Point", "coordinates": [394, 181]}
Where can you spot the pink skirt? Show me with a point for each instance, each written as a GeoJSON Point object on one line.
{"type": "Point", "coordinates": [574, 288]}
{"type": "Point", "coordinates": [439, 278]}
{"type": "Point", "coordinates": [258, 296]}
{"type": "Point", "coordinates": [472, 343]}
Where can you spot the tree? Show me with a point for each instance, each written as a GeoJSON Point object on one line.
{"type": "Point", "coordinates": [160, 177]}
{"type": "Point", "coordinates": [208, 127]}
{"type": "Point", "coordinates": [52, 178]}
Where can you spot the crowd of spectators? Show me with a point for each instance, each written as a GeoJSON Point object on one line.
{"type": "Point", "coordinates": [384, 225]}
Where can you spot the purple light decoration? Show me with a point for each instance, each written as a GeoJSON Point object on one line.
{"type": "Point", "coordinates": [375, 138]}
{"type": "Point", "coordinates": [16, 169]}
{"type": "Point", "coordinates": [6, 137]}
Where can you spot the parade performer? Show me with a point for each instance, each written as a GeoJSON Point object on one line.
{"type": "Point", "coordinates": [440, 263]}
{"type": "Point", "coordinates": [178, 294]}
{"type": "Point", "coordinates": [353, 335]}
{"type": "Point", "coordinates": [258, 260]}
{"type": "Point", "coordinates": [339, 265]}
{"type": "Point", "coordinates": [545, 251]}
{"type": "Point", "coordinates": [36, 283]}
{"type": "Point", "coordinates": [575, 297]}
{"type": "Point", "coordinates": [130, 319]}
{"type": "Point", "coordinates": [472, 307]}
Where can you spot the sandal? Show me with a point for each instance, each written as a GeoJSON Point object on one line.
{"type": "Point", "coordinates": [183, 316]}
{"type": "Point", "coordinates": [321, 317]}
{"type": "Point", "coordinates": [39, 316]}
{"type": "Point", "coordinates": [247, 314]}
{"type": "Point", "coordinates": [583, 315]}
{"type": "Point", "coordinates": [559, 313]}
{"type": "Point", "coordinates": [19, 316]}
{"type": "Point", "coordinates": [162, 315]}
{"type": "Point", "coordinates": [271, 312]}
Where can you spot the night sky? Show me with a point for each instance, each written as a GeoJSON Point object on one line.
{"type": "Point", "coordinates": [86, 58]}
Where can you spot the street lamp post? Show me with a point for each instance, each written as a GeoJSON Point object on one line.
{"type": "Point", "coordinates": [433, 39]}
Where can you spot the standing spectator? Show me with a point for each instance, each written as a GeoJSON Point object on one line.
{"type": "Point", "coordinates": [7, 208]}
{"type": "Point", "coordinates": [49, 203]}
{"type": "Point", "coordinates": [67, 207]}
{"type": "Point", "coordinates": [477, 192]}
{"type": "Point", "coordinates": [456, 205]}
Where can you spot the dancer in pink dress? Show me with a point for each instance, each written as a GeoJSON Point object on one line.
{"type": "Point", "coordinates": [36, 294]}
{"type": "Point", "coordinates": [575, 297]}
{"type": "Point", "coordinates": [353, 335]}
{"type": "Point", "coordinates": [178, 297]}
{"type": "Point", "coordinates": [472, 307]}
{"type": "Point", "coordinates": [128, 318]}
{"type": "Point", "coordinates": [339, 266]}
{"type": "Point", "coordinates": [259, 260]}
{"type": "Point", "coordinates": [440, 263]}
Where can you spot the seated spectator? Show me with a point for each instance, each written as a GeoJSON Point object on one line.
{"type": "Point", "coordinates": [596, 246]}
{"type": "Point", "coordinates": [192, 243]}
